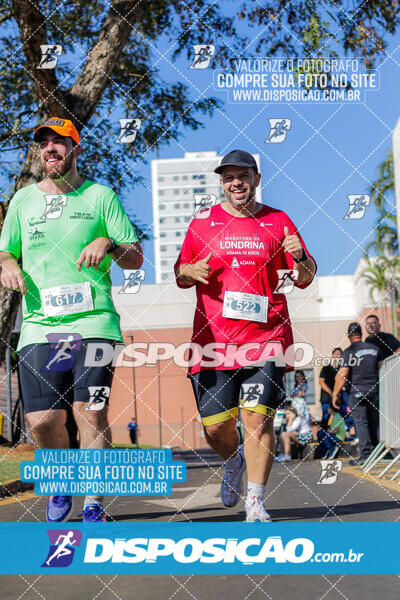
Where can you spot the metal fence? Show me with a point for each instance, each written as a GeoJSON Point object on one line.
{"type": "Point", "coordinates": [389, 417]}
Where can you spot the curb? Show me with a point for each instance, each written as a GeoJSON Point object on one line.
{"type": "Point", "coordinates": [14, 486]}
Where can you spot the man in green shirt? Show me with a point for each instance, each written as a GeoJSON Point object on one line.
{"type": "Point", "coordinates": [65, 229]}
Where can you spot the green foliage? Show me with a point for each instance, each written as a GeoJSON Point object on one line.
{"type": "Point", "coordinates": [382, 195]}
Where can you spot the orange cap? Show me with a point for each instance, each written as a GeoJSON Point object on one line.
{"type": "Point", "coordinates": [63, 127]}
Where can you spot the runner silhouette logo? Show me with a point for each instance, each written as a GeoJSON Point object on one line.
{"type": "Point", "coordinates": [63, 543]}
{"type": "Point", "coordinates": [62, 347]}
{"type": "Point", "coordinates": [99, 395]}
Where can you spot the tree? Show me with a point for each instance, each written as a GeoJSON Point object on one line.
{"type": "Point", "coordinates": [109, 66]}
{"type": "Point", "coordinates": [112, 50]}
{"type": "Point", "coordinates": [382, 276]}
{"type": "Point", "coordinates": [382, 195]}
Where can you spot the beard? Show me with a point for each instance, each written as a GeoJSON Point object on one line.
{"type": "Point", "coordinates": [60, 169]}
{"type": "Point", "coordinates": [240, 202]}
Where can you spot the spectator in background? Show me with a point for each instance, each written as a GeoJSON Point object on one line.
{"type": "Point", "coordinates": [298, 430]}
{"type": "Point", "coordinates": [360, 365]}
{"type": "Point", "coordinates": [300, 385]}
{"type": "Point", "coordinates": [386, 342]}
{"type": "Point", "coordinates": [336, 432]}
{"type": "Point", "coordinates": [327, 383]}
{"type": "Point", "coordinates": [132, 426]}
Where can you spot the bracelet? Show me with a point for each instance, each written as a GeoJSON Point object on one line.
{"type": "Point", "coordinates": [302, 257]}
{"type": "Point", "coordinates": [114, 245]}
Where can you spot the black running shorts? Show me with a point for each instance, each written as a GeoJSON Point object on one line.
{"type": "Point", "coordinates": [53, 376]}
{"type": "Point", "coordinates": [218, 392]}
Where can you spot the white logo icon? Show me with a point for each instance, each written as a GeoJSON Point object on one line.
{"type": "Point", "coordinates": [50, 54]}
{"type": "Point", "coordinates": [357, 206]}
{"type": "Point", "coordinates": [132, 281]}
{"type": "Point", "coordinates": [203, 201]}
{"type": "Point", "coordinates": [286, 280]}
{"type": "Point", "coordinates": [129, 129]}
{"type": "Point", "coordinates": [99, 395]}
{"type": "Point", "coordinates": [62, 542]}
{"type": "Point", "coordinates": [54, 206]}
{"type": "Point", "coordinates": [330, 469]}
{"type": "Point", "coordinates": [235, 263]}
{"type": "Point", "coordinates": [203, 54]}
{"type": "Point", "coordinates": [278, 129]}
{"type": "Point", "coordinates": [251, 394]}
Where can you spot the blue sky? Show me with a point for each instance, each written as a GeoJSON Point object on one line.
{"type": "Point", "coordinates": [331, 150]}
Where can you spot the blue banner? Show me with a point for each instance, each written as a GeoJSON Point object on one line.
{"type": "Point", "coordinates": [127, 472]}
{"type": "Point", "coordinates": [201, 548]}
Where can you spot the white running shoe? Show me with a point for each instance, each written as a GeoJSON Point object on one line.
{"type": "Point", "coordinates": [283, 458]}
{"type": "Point", "coordinates": [255, 511]}
{"type": "Point", "coordinates": [232, 485]}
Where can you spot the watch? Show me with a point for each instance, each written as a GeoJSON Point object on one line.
{"type": "Point", "coordinates": [302, 257]}
{"type": "Point", "coordinates": [114, 245]}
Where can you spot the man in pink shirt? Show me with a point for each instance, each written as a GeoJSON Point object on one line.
{"type": "Point", "coordinates": [238, 254]}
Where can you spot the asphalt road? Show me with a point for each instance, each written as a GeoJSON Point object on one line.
{"type": "Point", "coordinates": [293, 494]}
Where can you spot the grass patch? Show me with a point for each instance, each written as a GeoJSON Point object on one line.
{"type": "Point", "coordinates": [11, 458]}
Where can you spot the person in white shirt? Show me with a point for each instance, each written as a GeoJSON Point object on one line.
{"type": "Point", "coordinates": [298, 430]}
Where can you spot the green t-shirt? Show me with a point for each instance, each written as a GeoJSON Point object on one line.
{"type": "Point", "coordinates": [338, 421]}
{"type": "Point", "coordinates": [50, 231]}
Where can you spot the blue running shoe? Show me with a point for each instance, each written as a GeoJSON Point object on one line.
{"type": "Point", "coordinates": [59, 508]}
{"type": "Point", "coordinates": [232, 486]}
{"type": "Point", "coordinates": [93, 513]}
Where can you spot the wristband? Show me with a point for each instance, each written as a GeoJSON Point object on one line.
{"type": "Point", "coordinates": [302, 257]}
{"type": "Point", "coordinates": [114, 245]}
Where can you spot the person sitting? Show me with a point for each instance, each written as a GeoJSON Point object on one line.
{"type": "Point", "coordinates": [336, 432]}
{"type": "Point", "coordinates": [298, 430]}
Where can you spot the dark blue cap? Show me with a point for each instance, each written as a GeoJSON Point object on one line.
{"type": "Point", "coordinates": [237, 158]}
{"type": "Point", "coordinates": [354, 329]}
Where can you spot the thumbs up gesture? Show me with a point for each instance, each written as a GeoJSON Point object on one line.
{"type": "Point", "coordinates": [292, 244]}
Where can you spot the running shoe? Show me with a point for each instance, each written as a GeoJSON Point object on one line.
{"type": "Point", "coordinates": [232, 485]}
{"type": "Point", "coordinates": [333, 453]}
{"type": "Point", "coordinates": [357, 462]}
{"type": "Point", "coordinates": [59, 509]}
{"type": "Point", "coordinates": [93, 513]}
{"type": "Point", "coordinates": [283, 458]}
{"type": "Point", "coordinates": [255, 511]}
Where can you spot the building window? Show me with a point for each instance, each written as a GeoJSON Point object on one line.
{"type": "Point", "coordinates": [163, 235]}
{"type": "Point", "coordinates": [162, 220]}
{"type": "Point", "coordinates": [163, 248]}
{"type": "Point", "coordinates": [177, 205]}
{"type": "Point", "coordinates": [185, 191]}
{"type": "Point", "coordinates": [164, 275]}
{"type": "Point", "coordinates": [176, 178]}
{"type": "Point", "coordinates": [160, 178]}
{"type": "Point", "coordinates": [161, 192]}
{"type": "Point", "coordinates": [187, 219]}
{"type": "Point", "coordinates": [201, 176]}
{"type": "Point", "coordinates": [177, 219]}
{"type": "Point", "coordinates": [186, 205]}
{"type": "Point", "coordinates": [199, 190]}
{"type": "Point", "coordinates": [178, 247]}
{"type": "Point", "coordinates": [178, 233]}
{"type": "Point", "coordinates": [164, 263]}
{"type": "Point", "coordinates": [161, 206]}
{"type": "Point", "coordinates": [184, 177]}
{"type": "Point", "coordinates": [176, 192]}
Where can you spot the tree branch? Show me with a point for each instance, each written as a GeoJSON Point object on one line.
{"type": "Point", "coordinates": [96, 75]}
{"type": "Point", "coordinates": [11, 133]}
{"type": "Point", "coordinates": [32, 29]}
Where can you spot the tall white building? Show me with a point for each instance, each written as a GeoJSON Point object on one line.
{"type": "Point", "coordinates": [179, 185]}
